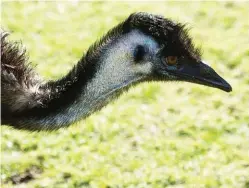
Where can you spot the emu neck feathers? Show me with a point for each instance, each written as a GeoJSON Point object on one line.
{"type": "Point", "coordinates": [93, 84]}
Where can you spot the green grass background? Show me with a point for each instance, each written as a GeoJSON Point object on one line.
{"type": "Point", "coordinates": [157, 134]}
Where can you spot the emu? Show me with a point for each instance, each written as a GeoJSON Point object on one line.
{"type": "Point", "coordinates": [142, 48]}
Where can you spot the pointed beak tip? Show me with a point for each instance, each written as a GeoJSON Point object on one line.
{"type": "Point", "coordinates": [229, 88]}
{"type": "Point", "coordinates": [225, 86]}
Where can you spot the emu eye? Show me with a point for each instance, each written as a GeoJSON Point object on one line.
{"type": "Point", "coordinates": [171, 60]}
{"type": "Point", "coordinates": [139, 53]}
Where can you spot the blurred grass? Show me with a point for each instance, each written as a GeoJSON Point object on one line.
{"type": "Point", "coordinates": [156, 135]}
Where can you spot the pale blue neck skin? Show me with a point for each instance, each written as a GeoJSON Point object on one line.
{"type": "Point", "coordinates": [117, 71]}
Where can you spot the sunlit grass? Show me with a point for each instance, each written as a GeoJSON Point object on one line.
{"type": "Point", "coordinates": [156, 135]}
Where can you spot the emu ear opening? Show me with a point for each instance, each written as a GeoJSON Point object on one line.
{"type": "Point", "coordinates": [139, 53]}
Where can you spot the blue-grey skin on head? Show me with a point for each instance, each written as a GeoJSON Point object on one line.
{"type": "Point", "coordinates": [144, 47]}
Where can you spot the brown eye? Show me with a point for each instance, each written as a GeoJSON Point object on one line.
{"type": "Point", "coordinates": [171, 60]}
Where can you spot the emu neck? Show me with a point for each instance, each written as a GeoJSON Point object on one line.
{"type": "Point", "coordinates": [106, 85]}
{"type": "Point", "coordinates": [99, 91]}
{"type": "Point", "coordinates": [100, 78]}
{"type": "Point", "coordinates": [107, 70]}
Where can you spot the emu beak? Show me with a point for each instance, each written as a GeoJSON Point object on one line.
{"type": "Point", "coordinates": [203, 74]}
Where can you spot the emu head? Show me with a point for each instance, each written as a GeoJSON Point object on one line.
{"type": "Point", "coordinates": [155, 48]}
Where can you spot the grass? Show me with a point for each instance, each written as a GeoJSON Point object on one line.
{"type": "Point", "coordinates": [157, 134]}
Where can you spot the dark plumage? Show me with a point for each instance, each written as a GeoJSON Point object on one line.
{"type": "Point", "coordinates": [144, 47]}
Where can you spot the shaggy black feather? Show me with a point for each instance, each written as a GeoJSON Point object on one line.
{"type": "Point", "coordinates": [17, 77]}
